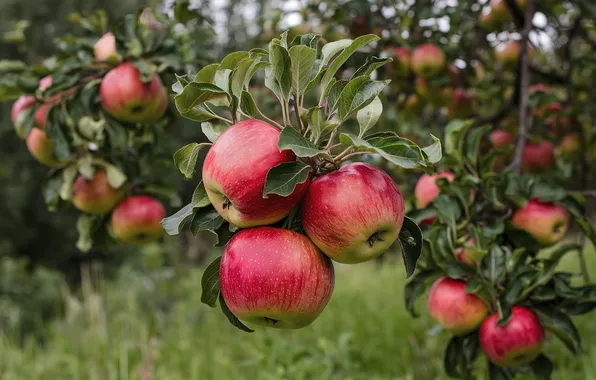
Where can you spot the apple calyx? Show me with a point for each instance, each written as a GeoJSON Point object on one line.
{"type": "Point", "coordinates": [377, 236]}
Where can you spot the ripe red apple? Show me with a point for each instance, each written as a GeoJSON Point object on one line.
{"type": "Point", "coordinates": [428, 60]}
{"type": "Point", "coordinates": [400, 67]}
{"type": "Point", "coordinates": [547, 222]}
{"type": "Point", "coordinates": [275, 277]}
{"type": "Point", "coordinates": [235, 171]}
{"type": "Point", "coordinates": [426, 189]}
{"type": "Point", "coordinates": [500, 138]}
{"type": "Point", "coordinates": [96, 196]}
{"type": "Point", "coordinates": [539, 157]}
{"type": "Point", "coordinates": [507, 54]}
{"type": "Point", "coordinates": [105, 48]}
{"type": "Point", "coordinates": [469, 256]}
{"type": "Point", "coordinates": [16, 113]}
{"type": "Point", "coordinates": [517, 343]}
{"type": "Point", "coordinates": [136, 219]}
{"type": "Point", "coordinates": [457, 311]}
{"type": "Point", "coordinates": [38, 144]}
{"type": "Point", "coordinates": [353, 214]}
{"type": "Point", "coordinates": [127, 98]}
{"type": "Point", "coordinates": [570, 146]}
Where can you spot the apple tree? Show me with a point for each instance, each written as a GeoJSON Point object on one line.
{"type": "Point", "coordinates": [94, 114]}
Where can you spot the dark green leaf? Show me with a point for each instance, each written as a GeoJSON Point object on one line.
{"type": "Point", "coordinates": [206, 219]}
{"type": "Point", "coordinates": [199, 197]}
{"type": "Point", "coordinates": [291, 139]}
{"type": "Point", "coordinates": [547, 192]}
{"type": "Point", "coordinates": [410, 239]}
{"type": "Point", "coordinates": [247, 104]}
{"type": "Point", "coordinates": [174, 223]}
{"type": "Point", "coordinates": [195, 94]}
{"type": "Point", "coordinates": [498, 373]}
{"type": "Point", "coordinates": [448, 209]}
{"type": "Point", "coordinates": [186, 157]}
{"type": "Point", "coordinates": [473, 143]}
{"type": "Point", "coordinates": [283, 178]}
{"type": "Point", "coordinates": [210, 283]}
{"type": "Point", "coordinates": [370, 65]}
{"type": "Point", "coordinates": [333, 94]}
{"type": "Point", "coordinates": [213, 130]}
{"type": "Point", "coordinates": [454, 138]}
{"type": "Point", "coordinates": [231, 317]}
{"type": "Point", "coordinates": [416, 287]}
{"type": "Point", "coordinates": [561, 325]}
{"type": "Point", "coordinates": [542, 367]}
{"type": "Point", "coordinates": [303, 59]}
{"type": "Point", "coordinates": [357, 94]}
{"type": "Point", "coordinates": [281, 64]}
{"type": "Point", "coordinates": [207, 74]}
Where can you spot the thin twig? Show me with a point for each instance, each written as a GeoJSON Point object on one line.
{"type": "Point", "coordinates": [296, 108]}
{"type": "Point", "coordinates": [348, 156]}
{"type": "Point", "coordinates": [516, 164]}
{"type": "Point", "coordinates": [219, 117]}
{"type": "Point", "coordinates": [333, 136]}
{"type": "Point", "coordinates": [343, 154]}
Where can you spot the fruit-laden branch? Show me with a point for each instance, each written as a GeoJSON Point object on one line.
{"type": "Point", "coordinates": [523, 88]}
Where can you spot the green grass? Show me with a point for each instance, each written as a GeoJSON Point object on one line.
{"type": "Point", "coordinates": [155, 327]}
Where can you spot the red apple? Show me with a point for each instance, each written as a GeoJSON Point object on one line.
{"type": "Point", "coordinates": [127, 98]}
{"type": "Point", "coordinates": [38, 144]}
{"type": "Point", "coordinates": [507, 54]}
{"type": "Point", "coordinates": [426, 189]}
{"type": "Point", "coordinates": [402, 56]}
{"type": "Point", "coordinates": [353, 214]}
{"type": "Point", "coordinates": [517, 343]}
{"type": "Point", "coordinates": [275, 277]}
{"type": "Point", "coordinates": [539, 157]}
{"type": "Point", "coordinates": [500, 138]}
{"type": "Point", "coordinates": [136, 219]}
{"type": "Point", "coordinates": [546, 222]}
{"type": "Point", "coordinates": [428, 60]}
{"type": "Point", "coordinates": [235, 170]}
{"type": "Point", "coordinates": [45, 83]}
{"type": "Point", "coordinates": [96, 196]}
{"type": "Point", "coordinates": [457, 311]}
{"type": "Point", "coordinates": [17, 115]}
{"type": "Point", "coordinates": [105, 48]}
{"type": "Point", "coordinates": [469, 256]}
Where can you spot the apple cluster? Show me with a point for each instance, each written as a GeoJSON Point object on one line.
{"type": "Point", "coordinates": [278, 277]}
{"type": "Point", "coordinates": [71, 123]}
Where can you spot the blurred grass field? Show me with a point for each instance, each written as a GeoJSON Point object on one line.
{"type": "Point", "coordinates": [140, 327]}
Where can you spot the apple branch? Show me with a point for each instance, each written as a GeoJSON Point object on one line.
{"type": "Point", "coordinates": [523, 88]}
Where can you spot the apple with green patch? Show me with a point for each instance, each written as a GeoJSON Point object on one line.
{"type": "Point", "coordinates": [136, 219]}
{"type": "Point", "coordinates": [547, 222]}
{"type": "Point", "coordinates": [96, 196]}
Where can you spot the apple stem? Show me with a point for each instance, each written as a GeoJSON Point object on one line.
{"type": "Point", "coordinates": [347, 156]}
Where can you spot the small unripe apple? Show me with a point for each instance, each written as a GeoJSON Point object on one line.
{"type": "Point", "coordinates": [17, 115]}
{"type": "Point", "coordinates": [500, 138]}
{"type": "Point", "coordinates": [570, 146]}
{"type": "Point", "coordinates": [401, 65]}
{"type": "Point", "coordinates": [127, 98]}
{"type": "Point", "coordinates": [547, 222]}
{"type": "Point", "coordinates": [516, 343]}
{"type": "Point", "coordinates": [537, 158]}
{"type": "Point", "coordinates": [105, 48]}
{"type": "Point", "coordinates": [353, 214]}
{"type": "Point", "coordinates": [136, 219]}
{"type": "Point", "coordinates": [426, 189]}
{"type": "Point", "coordinates": [275, 277]}
{"type": "Point", "coordinates": [457, 311]}
{"type": "Point", "coordinates": [428, 60]}
{"type": "Point", "coordinates": [235, 172]}
{"type": "Point", "coordinates": [469, 256]}
{"type": "Point", "coordinates": [38, 144]}
{"type": "Point", "coordinates": [96, 196]}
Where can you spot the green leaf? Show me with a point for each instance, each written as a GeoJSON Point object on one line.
{"type": "Point", "coordinates": [271, 83]}
{"type": "Point", "coordinates": [368, 116]}
{"type": "Point", "coordinates": [333, 95]}
{"type": "Point", "coordinates": [282, 68]}
{"type": "Point", "coordinates": [68, 174]}
{"type": "Point", "coordinates": [542, 367]}
{"type": "Point", "coordinates": [231, 317]}
{"type": "Point", "coordinates": [448, 209]}
{"type": "Point", "coordinates": [213, 130]}
{"type": "Point", "coordinates": [454, 138]}
{"type": "Point", "coordinates": [195, 94]}
{"type": "Point", "coordinates": [186, 157]}
{"type": "Point", "coordinates": [85, 227]}
{"type": "Point", "coordinates": [11, 66]}
{"type": "Point", "coordinates": [51, 189]}
{"type": "Point", "coordinates": [199, 197]}
{"type": "Point", "coordinates": [247, 104]}
{"type": "Point", "coordinates": [207, 73]}
{"type": "Point", "coordinates": [173, 224]}
{"type": "Point", "coordinates": [283, 178]}
{"type": "Point", "coordinates": [434, 152]}
{"type": "Point", "coordinates": [222, 81]}
{"type": "Point", "coordinates": [416, 287]}
{"type": "Point", "coordinates": [547, 192]}
{"type": "Point", "coordinates": [55, 131]}
{"type": "Point", "coordinates": [311, 40]}
{"type": "Point", "coordinates": [303, 59]}
{"type": "Point", "coordinates": [116, 177]}
{"type": "Point", "coordinates": [560, 325]}
{"type": "Point", "coordinates": [341, 58]}
{"type": "Point", "coordinates": [240, 73]}
{"type": "Point", "coordinates": [291, 139]}
{"type": "Point", "coordinates": [473, 143]}
{"type": "Point", "coordinates": [224, 234]}
{"type": "Point", "coordinates": [370, 65]}
{"type": "Point", "coordinates": [395, 149]}
{"type": "Point", "coordinates": [210, 283]}
{"type": "Point", "coordinates": [410, 239]}
{"type": "Point", "coordinates": [499, 373]}
{"type": "Point", "coordinates": [454, 359]}
{"type": "Point", "coordinates": [206, 219]}
{"type": "Point", "coordinates": [317, 120]}
{"type": "Point", "coordinates": [357, 94]}
{"type": "Point", "coordinates": [497, 264]}
{"type": "Point", "coordinates": [232, 60]}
